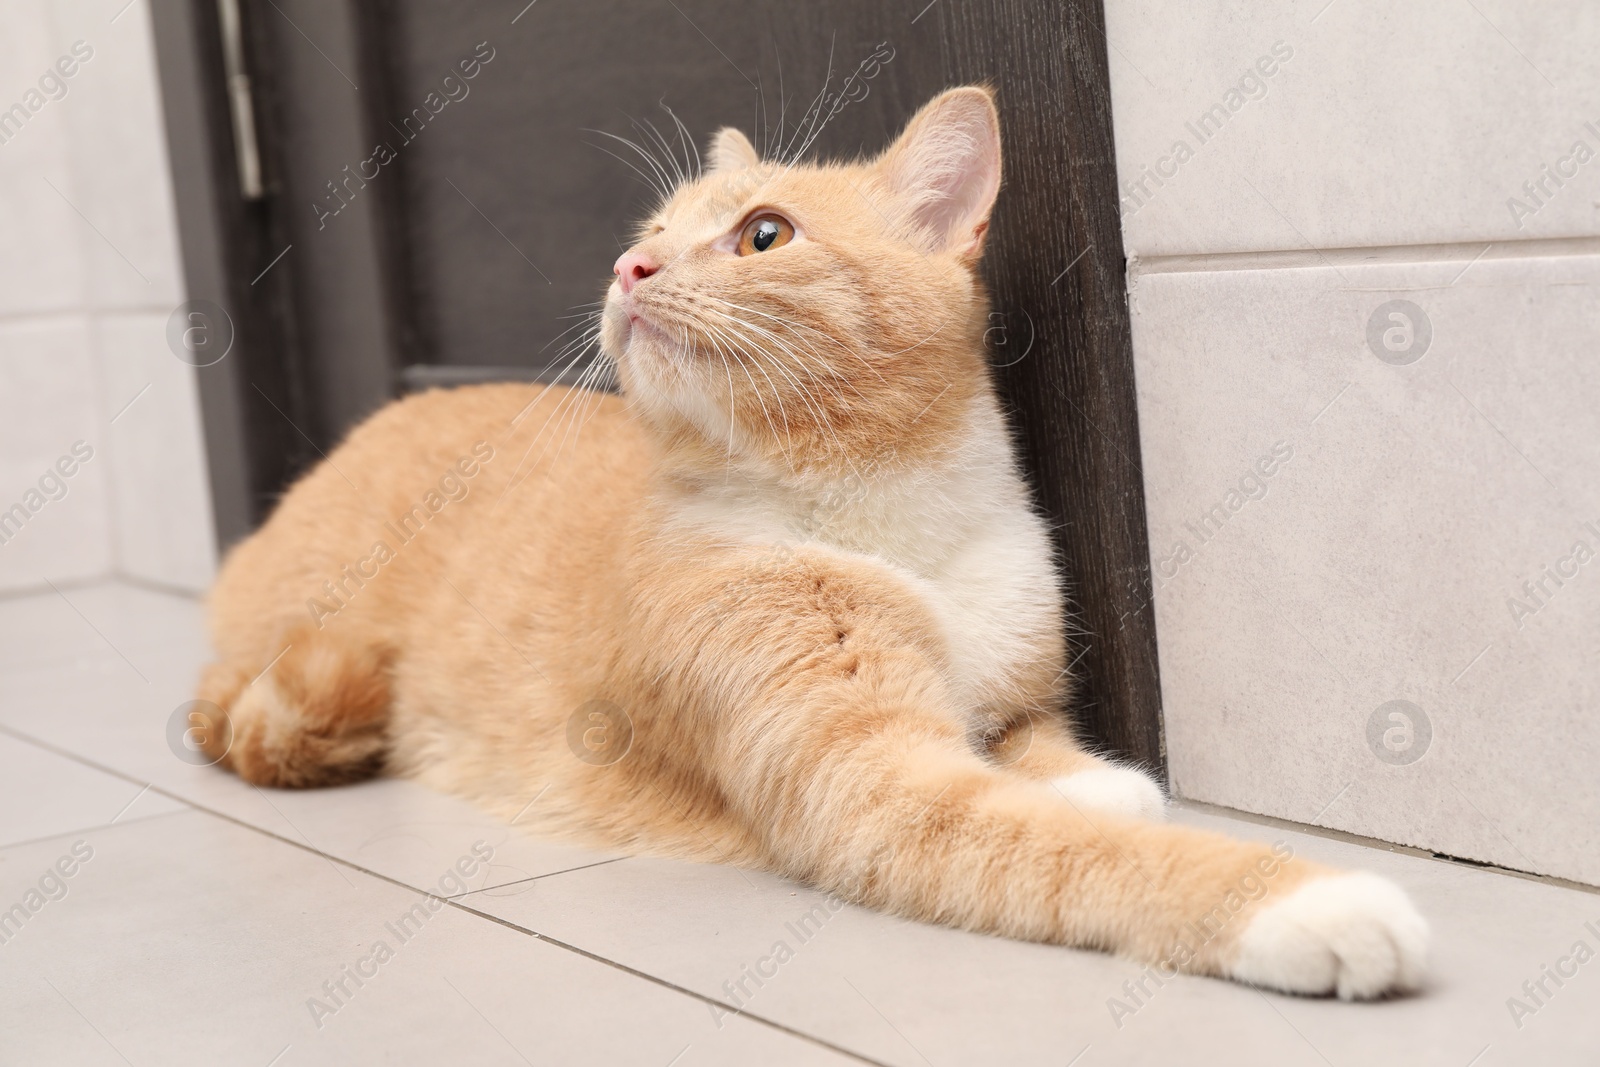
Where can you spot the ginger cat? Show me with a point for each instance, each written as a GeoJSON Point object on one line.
{"type": "Point", "coordinates": [786, 605]}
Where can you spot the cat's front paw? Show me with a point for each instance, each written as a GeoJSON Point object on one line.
{"type": "Point", "coordinates": [1356, 935]}
{"type": "Point", "coordinates": [1116, 790]}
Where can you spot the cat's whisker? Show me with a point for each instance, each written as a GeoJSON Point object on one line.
{"type": "Point", "coordinates": [649, 182]}
{"type": "Point", "coordinates": [909, 348]}
{"type": "Point", "coordinates": [579, 347]}
{"type": "Point", "coordinates": [661, 183]}
{"type": "Point", "coordinates": [586, 409]}
{"type": "Point", "coordinates": [783, 349]}
{"type": "Point", "coordinates": [732, 421]}
{"type": "Point", "coordinates": [719, 337]}
{"type": "Point", "coordinates": [783, 439]}
{"type": "Point", "coordinates": [591, 318]}
{"type": "Point", "coordinates": [576, 314]}
{"type": "Point", "coordinates": [783, 100]}
{"type": "Point", "coordinates": [684, 139]}
{"type": "Point", "coordinates": [649, 133]}
{"type": "Point", "coordinates": [762, 127]}
{"type": "Point", "coordinates": [829, 380]}
{"type": "Point", "coordinates": [648, 128]}
{"type": "Point", "coordinates": [821, 421]}
{"type": "Point", "coordinates": [571, 408]}
{"type": "Point", "coordinates": [795, 327]}
{"type": "Point", "coordinates": [814, 112]}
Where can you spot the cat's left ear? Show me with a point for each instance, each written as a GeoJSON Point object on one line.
{"type": "Point", "coordinates": [944, 171]}
{"type": "Point", "coordinates": [731, 150]}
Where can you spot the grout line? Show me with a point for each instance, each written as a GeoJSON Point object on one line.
{"type": "Point", "coordinates": [713, 1001]}
{"type": "Point", "coordinates": [1375, 255]}
{"type": "Point", "coordinates": [23, 592]}
{"type": "Point", "coordinates": [151, 585]}
{"type": "Point", "coordinates": [1377, 844]}
{"type": "Point", "coordinates": [188, 809]}
{"type": "Point", "coordinates": [537, 877]}
{"type": "Point", "coordinates": [103, 581]}
{"type": "Point", "coordinates": [664, 983]}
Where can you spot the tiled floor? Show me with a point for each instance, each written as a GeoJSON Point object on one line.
{"type": "Point", "coordinates": [203, 917]}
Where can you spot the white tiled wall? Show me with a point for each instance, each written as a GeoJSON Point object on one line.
{"type": "Point", "coordinates": [89, 273]}
{"type": "Point", "coordinates": [1340, 517]}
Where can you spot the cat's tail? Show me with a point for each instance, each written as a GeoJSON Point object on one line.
{"type": "Point", "coordinates": [315, 715]}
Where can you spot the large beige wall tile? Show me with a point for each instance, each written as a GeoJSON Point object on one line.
{"type": "Point", "coordinates": [41, 253]}
{"type": "Point", "coordinates": [1390, 124]}
{"type": "Point", "coordinates": [163, 529]}
{"type": "Point", "coordinates": [119, 154]}
{"type": "Point", "coordinates": [47, 404]}
{"type": "Point", "coordinates": [1382, 560]}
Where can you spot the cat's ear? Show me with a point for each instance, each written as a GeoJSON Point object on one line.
{"type": "Point", "coordinates": [944, 171]}
{"type": "Point", "coordinates": [731, 150]}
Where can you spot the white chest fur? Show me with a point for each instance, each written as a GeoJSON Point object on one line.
{"type": "Point", "coordinates": [961, 533]}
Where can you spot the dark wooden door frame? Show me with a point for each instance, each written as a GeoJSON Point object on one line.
{"type": "Point", "coordinates": [322, 339]}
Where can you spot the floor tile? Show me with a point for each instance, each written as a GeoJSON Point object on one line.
{"type": "Point", "coordinates": [250, 916]}
{"type": "Point", "coordinates": [42, 794]}
{"type": "Point", "coordinates": [87, 700]}
{"type": "Point", "coordinates": [190, 940]}
{"type": "Point", "coordinates": [908, 993]}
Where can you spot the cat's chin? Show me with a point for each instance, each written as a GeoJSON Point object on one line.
{"type": "Point", "coordinates": [636, 330]}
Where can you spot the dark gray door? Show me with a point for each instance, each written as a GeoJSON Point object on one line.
{"type": "Point", "coordinates": [439, 193]}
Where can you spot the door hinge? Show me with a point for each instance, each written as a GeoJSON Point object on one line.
{"type": "Point", "coordinates": [241, 103]}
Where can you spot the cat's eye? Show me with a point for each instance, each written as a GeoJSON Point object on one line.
{"type": "Point", "coordinates": [764, 233]}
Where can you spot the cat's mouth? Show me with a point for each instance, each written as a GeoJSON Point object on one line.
{"type": "Point", "coordinates": [639, 324]}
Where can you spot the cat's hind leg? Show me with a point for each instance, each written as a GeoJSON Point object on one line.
{"type": "Point", "coordinates": [316, 715]}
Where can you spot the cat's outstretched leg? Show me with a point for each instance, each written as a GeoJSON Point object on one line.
{"type": "Point", "coordinates": [317, 715]}
{"type": "Point", "coordinates": [1039, 745]}
{"type": "Point", "coordinates": [835, 737]}
{"type": "Point", "coordinates": [894, 811]}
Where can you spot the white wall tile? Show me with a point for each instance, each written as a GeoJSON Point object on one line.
{"type": "Point", "coordinates": [1380, 563]}
{"type": "Point", "coordinates": [47, 403]}
{"type": "Point", "coordinates": [162, 499]}
{"type": "Point", "coordinates": [119, 156]}
{"type": "Point", "coordinates": [41, 256]}
{"type": "Point", "coordinates": [1390, 124]}
{"type": "Point", "coordinates": [89, 272]}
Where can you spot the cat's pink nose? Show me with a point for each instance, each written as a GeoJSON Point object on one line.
{"type": "Point", "coordinates": [633, 267]}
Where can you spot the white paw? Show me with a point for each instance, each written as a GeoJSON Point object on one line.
{"type": "Point", "coordinates": [1356, 935]}
{"type": "Point", "coordinates": [1116, 790]}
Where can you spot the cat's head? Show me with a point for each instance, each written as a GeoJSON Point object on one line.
{"type": "Point", "coordinates": [814, 316]}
